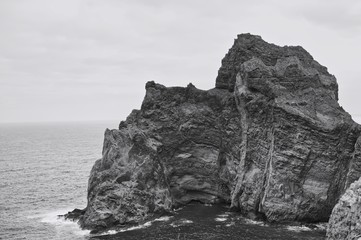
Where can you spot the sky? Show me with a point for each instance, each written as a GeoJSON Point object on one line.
{"type": "Point", "coordinates": [88, 60]}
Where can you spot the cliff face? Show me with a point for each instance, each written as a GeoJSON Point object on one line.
{"type": "Point", "coordinates": [181, 146]}
{"type": "Point", "coordinates": [270, 140]}
{"type": "Point", "coordinates": [345, 218]}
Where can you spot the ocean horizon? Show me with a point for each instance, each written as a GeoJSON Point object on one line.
{"type": "Point", "coordinates": [44, 170]}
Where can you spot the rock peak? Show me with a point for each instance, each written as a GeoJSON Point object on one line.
{"type": "Point", "coordinates": [248, 36]}
{"type": "Point", "coordinates": [248, 46]}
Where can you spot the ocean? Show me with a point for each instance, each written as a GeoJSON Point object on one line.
{"type": "Point", "coordinates": [44, 169]}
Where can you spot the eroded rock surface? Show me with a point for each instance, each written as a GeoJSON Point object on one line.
{"type": "Point", "coordinates": [181, 146]}
{"type": "Point", "coordinates": [345, 220]}
{"type": "Point", "coordinates": [270, 140]}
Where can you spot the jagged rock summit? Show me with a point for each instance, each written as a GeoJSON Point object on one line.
{"type": "Point", "coordinates": [270, 140]}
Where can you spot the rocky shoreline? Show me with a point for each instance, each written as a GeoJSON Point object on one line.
{"type": "Point", "coordinates": [270, 140]}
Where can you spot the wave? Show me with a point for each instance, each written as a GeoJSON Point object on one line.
{"type": "Point", "coordinates": [62, 227]}
{"type": "Point", "coordinates": [112, 232]}
{"type": "Point", "coordinates": [298, 228]}
{"type": "Point", "coordinates": [163, 219]}
{"type": "Point", "coordinates": [230, 224]}
{"type": "Point", "coordinates": [220, 219]}
{"type": "Point", "coordinates": [137, 227]}
{"type": "Point", "coordinates": [181, 222]}
{"type": "Point", "coordinates": [254, 222]}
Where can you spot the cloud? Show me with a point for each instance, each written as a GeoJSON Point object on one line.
{"type": "Point", "coordinates": [55, 53]}
{"type": "Point", "coordinates": [343, 16]}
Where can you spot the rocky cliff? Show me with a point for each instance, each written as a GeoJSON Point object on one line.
{"type": "Point", "coordinates": [345, 221]}
{"type": "Point", "coordinates": [270, 139]}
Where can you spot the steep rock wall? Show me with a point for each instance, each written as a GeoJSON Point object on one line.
{"type": "Point", "coordinates": [299, 141]}
{"type": "Point", "coordinates": [345, 218]}
{"type": "Point", "coordinates": [270, 140]}
{"type": "Point", "coordinates": [181, 146]}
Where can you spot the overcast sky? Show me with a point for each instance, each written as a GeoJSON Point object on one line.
{"type": "Point", "coordinates": [66, 60]}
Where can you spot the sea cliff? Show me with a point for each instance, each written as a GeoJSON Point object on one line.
{"type": "Point", "coordinates": [345, 221]}
{"type": "Point", "coordinates": [270, 140]}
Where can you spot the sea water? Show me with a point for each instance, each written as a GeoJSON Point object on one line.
{"type": "Point", "coordinates": [44, 169]}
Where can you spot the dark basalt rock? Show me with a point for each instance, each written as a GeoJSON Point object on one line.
{"type": "Point", "coordinates": [270, 140]}
{"type": "Point", "coordinates": [344, 221]}
{"type": "Point", "coordinates": [248, 46]}
{"type": "Point", "coordinates": [74, 215]}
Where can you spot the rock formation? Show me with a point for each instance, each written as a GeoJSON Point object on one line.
{"type": "Point", "coordinates": [345, 218]}
{"type": "Point", "coordinates": [271, 140]}
{"type": "Point", "coordinates": [345, 221]}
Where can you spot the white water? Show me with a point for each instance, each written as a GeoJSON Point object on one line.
{"type": "Point", "coordinates": [44, 170]}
